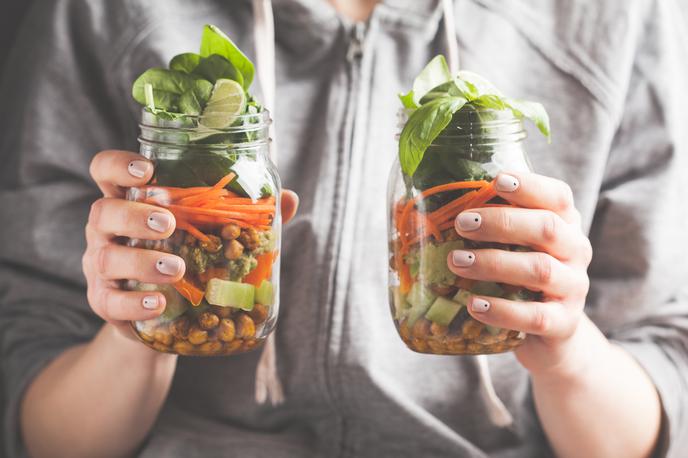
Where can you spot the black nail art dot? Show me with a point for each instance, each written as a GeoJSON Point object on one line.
{"type": "Point", "coordinates": [476, 220]}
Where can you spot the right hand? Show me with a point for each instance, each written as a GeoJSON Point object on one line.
{"type": "Point", "coordinates": [106, 261]}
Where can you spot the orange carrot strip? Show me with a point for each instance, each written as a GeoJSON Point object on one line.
{"type": "Point", "coordinates": [263, 269]}
{"type": "Point", "coordinates": [202, 197]}
{"type": "Point", "coordinates": [482, 197]}
{"type": "Point", "coordinates": [225, 180]}
{"type": "Point", "coordinates": [211, 212]}
{"type": "Point", "coordinates": [188, 227]}
{"type": "Point", "coordinates": [452, 208]}
{"type": "Point", "coordinates": [189, 291]}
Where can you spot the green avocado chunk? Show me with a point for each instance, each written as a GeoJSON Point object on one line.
{"type": "Point", "coordinates": [443, 311]}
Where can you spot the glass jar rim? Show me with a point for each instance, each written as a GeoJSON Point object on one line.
{"type": "Point", "coordinates": [181, 121]}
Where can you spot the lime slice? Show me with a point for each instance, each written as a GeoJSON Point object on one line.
{"type": "Point", "coordinates": [227, 101]}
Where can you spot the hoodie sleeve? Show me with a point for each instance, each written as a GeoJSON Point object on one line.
{"type": "Point", "coordinates": [639, 275]}
{"type": "Point", "coordinates": [59, 108]}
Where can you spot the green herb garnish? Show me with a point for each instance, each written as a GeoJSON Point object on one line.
{"type": "Point", "coordinates": [435, 98]}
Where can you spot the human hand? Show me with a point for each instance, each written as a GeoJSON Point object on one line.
{"type": "Point", "coordinates": [106, 261]}
{"type": "Point", "coordinates": [549, 224]}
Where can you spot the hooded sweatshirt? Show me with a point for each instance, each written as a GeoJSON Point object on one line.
{"type": "Point", "coordinates": [612, 76]}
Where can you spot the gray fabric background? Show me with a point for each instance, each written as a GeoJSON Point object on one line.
{"type": "Point", "coordinates": [612, 75]}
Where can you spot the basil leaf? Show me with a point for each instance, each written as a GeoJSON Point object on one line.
{"type": "Point", "coordinates": [215, 67]}
{"type": "Point", "coordinates": [490, 101]}
{"type": "Point", "coordinates": [482, 85]}
{"type": "Point", "coordinates": [533, 111]}
{"type": "Point", "coordinates": [167, 85]}
{"type": "Point", "coordinates": [434, 74]}
{"type": "Point", "coordinates": [214, 41]}
{"type": "Point", "coordinates": [185, 63]}
{"type": "Point", "coordinates": [422, 127]}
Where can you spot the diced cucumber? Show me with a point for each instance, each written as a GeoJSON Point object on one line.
{"type": "Point", "coordinates": [265, 294]}
{"type": "Point", "coordinates": [227, 293]}
{"type": "Point", "coordinates": [414, 313]}
{"type": "Point", "coordinates": [175, 304]}
{"type": "Point", "coordinates": [487, 288]}
{"type": "Point", "coordinates": [420, 296]}
{"type": "Point", "coordinates": [492, 329]}
{"type": "Point", "coordinates": [462, 296]}
{"type": "Point", "coordinates": [443, 311]}
{"type": "Point", "coordinates": [401, 305]}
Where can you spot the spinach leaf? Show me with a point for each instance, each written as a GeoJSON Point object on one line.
{"type": "Point", "coordinates": [533, 111]}
{"type": "Point", "coordinates": [214, 41]}
{"type": "Point", "coordinates": [422, 127]}
{"type": "Point", "coordinates": [185, 63]}
{"type": "Point", "coordinates": [215, 67]}
{"type": "Point", "coordinates": [167, 85]}
{"type": "Point", "coordinates": [436, 72]}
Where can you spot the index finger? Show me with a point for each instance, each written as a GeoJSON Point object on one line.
{"type": "Point", "coordinates": [114, 170]}
{"type": "Point", "coordinates": [531, 190]}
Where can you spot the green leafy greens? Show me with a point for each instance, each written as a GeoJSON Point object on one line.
{"type": "Point", "coordinates": [437, 96]}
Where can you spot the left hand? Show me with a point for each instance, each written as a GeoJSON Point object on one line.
{"type": "Point", "coordinates": [548, 223]}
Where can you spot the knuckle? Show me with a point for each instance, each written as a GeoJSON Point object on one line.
{"type": "Point", "coordinates": [542, 268]}
{"type": "Point", "coordinates": [541, 323]}
{"type": "Point", "coordinates": [95, 214]}
{"type": "Point", "coordinates": [505, 223]}
{"type": "Point", "coordinates": [586, 251]}
{"type": "Point", "coordinates": [103, 256]}
{"type": "Point", "coordinates": [565, 199]}
{"type": "Point", "coordinates": [550, 228]}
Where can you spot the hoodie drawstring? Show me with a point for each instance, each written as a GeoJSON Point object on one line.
{"type": "Point", "coordinates": [496, 410]}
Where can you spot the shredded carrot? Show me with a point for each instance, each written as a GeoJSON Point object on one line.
{"type": "Point", "coordinates": [224, 181]}
{"type": "Point", "coordinates": [184, 225]}
{"type": "Point", "coordinates": [189, 291]}
{"type": "Point", "coordinates": [405, 280]}
{"type": "Point", "coordinates": [483, 196]}
{"type": "Point", "coordinates": [451, 209]}
{"type": "Point", "coordinates": [263, 269]}
{"type": "Point", "coordinates": [201, 197]}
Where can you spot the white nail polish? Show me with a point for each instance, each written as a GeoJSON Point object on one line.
{"type": "Point", "coordinates": [461, 258]}
{"type": "Point", "coordinates": [468, 221]}
{"type": "Point", "coordinates": [169, 265]}
{"type": "Point", "coordinates": [138, 168]}
{"type": "Point", "coordinates": [150, 302]}
{"type": "Point", "coordinates": [506, 183]}
{"type": "Point", "coordinates": [479, 305]}
{"type": "Point", "coordinates": [159, 222]}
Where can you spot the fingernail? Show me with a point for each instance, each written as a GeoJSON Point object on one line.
{"type": "Point", "coordinates": [468, 221]}
{"type": "Point", "coordinates": [138, 168]}
{"type": "Point", "coordinates": [479, 305]}
{"type": "Point", "coordinates": [506, 183]}
{"type": "Point", "coordinates": [160, 222]}
{"type": "Point", "coordinates": [150, 302]}
{"type": "Point", "coordinates": [169, 265]}
{"type": "Point", "coordinates": [462, 258]}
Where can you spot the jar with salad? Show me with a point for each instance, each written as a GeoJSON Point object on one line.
{"type": "Point", "coordinates": [458, 133]}
{"type": "Point", "coordinates": [208, 139]}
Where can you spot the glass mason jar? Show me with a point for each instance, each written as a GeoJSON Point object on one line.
{"type": "Point", "coordinates": [225, 195]}
{"type": "Point", "coordinates": [428, 301]}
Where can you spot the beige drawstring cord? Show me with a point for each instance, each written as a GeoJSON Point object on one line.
{"type": "Point", "coordinates": [268, 385]}
{"type": "Point", "coordinates": [496, 410]}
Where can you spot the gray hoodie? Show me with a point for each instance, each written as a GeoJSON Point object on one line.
{"type": "Point", "coordinates": [613, 77]}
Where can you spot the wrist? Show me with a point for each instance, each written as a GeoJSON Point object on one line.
{"type": "Point", "coordinates": [575, 357]}
{"type": "Point", "coordinates": [121, 344]}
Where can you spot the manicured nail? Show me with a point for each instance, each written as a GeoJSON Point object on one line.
{"type": "Point", "coordinates": [461, 258]}
{"type": "Point", "coordinates": [506, 183]}
{"type": "Point", "coordinates": [138, 168]}
{"type": "Point", "coordinates": [160, 222]}
{"type": "Point", "coordinates": [150, 302]}
{"type": "Point", "coordinates": [169, 265]}
{"type": "Point", "coordinates": [479, 305]}
{"type": "Point", "coordinates": [468, 221]}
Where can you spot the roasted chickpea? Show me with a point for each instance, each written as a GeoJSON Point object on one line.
{"type": "Point", "coordinates": [233, 346]}
{"type": "Point", "coordinates": [183, 347]}
{"type": "Point", "coordinates": [233, 250]}
{"type": "Point", "coordinates": [161, 347]}
{"type": "Point", "coordinates": [437, 347]}
{"type": "Point", "coordinates": [259, 313]}
{"type": "Point", "coordinates": [404, 331]}
{"type": "Point", "coordinates": [222, 312]}
{"type": "Point", "coordinates": [227, 330]}
{"type": "Point", "coordinates": [208, 320]}
{"type": "Point", "coordinates": [213, 244]}
{"type": "Point", "coordinates": [197, 336]}
{"type": "Point", "coordinates": [163, 336]}
{"type": "Point", "coordinates": [249, 344]}
{"type": "Point", "coordinates": [230, 232]}
{"type": "Point", "coordinates": [179, 328]}
{"type": "Point", "coordinates": [421, 328]}
{"type": "Point", "coordinates": [471, 329]}
{"type": "Point", "coordinates": [245, 327]}
{"type": "Point", "coordinates": [420, 345]}
{"type": "Point", "coordinates": [210, 348]}
{"type": "Point", "coordinates": [249, 238]}
{"type": "Point", "coordinates": [438, 330]}
{"type": "Point", "coordinates": [146, 336]}
{"type": "Point", "coordinates": [474, 347]}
